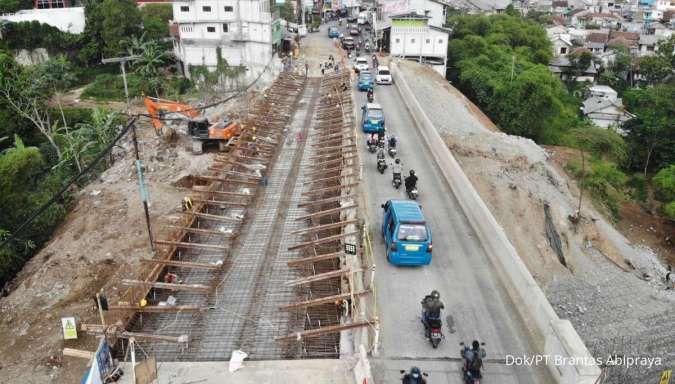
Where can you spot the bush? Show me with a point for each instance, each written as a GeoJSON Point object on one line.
{"type": "Point", "coordinates": [669, 210]}
{"type": "Point", "coordinates": [111, 87]}
{"type": "Point", "coordinates": [604, 181]}
{"type": "Point", "coordinates": [637, 187]}
{"type": "Point", "coordinates": [664, 183]}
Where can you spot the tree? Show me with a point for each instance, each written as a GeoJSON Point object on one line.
{"type": "Point", "coordinates": [108, 23]}
{"type": "Point", "coordinates": [152, 58]}
{"type": "Point", "coordinates": [651, 135]}
{"type": "Point", "coordinates": [23, 92]}
{"type": "Point", "coordinates": [23, 187]}
{"type": "Point", "coordinates": [655, 68]}
{"type": "Point", "coordinates": [156, 20]}
{"type": "Point", "coordinates": [57, 76]}
{"type": "Point", "coordinates": [287, 12]}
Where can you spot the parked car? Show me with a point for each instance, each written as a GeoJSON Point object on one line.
{"type": "Point", "coordinates": [361, 64]}
{"type": "Point", "coordinates": [383, 75]}
{"type": "Point", "coordinates": [406, 234]}
{"type": "Point", "coordinates": [354, 31]}
{"type": "Point", "coordinates": [348, 43]}
{"type": "Point", "coordinates": [352, 18]}
{"type": "Point", "coordinates": [365, 81]}
{"type": "Point", "coordinates": [333, 32]}
{"type": "Point", "coordinates": [372, 118]}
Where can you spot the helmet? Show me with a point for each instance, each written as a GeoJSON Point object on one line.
{"type": "Point", "coordinates": [253, 138]}
{"type": "Point", "coordinates": [398, 161]}
{"type": "Point", "coordinates": [435, 294]}
{"type": "Point", "coordinates": [475, 345]}
{"type": "Point", "coordinates": [412, 172]}
{"type": "Point", "coordinates": [415, 372]}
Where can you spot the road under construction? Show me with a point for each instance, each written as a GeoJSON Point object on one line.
{"type": "Point", "coordinates": [256, 262]}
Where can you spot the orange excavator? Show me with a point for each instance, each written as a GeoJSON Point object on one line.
{"type": "Point", "coordinates": [199, 129]}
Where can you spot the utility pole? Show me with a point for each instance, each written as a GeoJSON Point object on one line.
{"type": "Point", "coordinates": [122, 61]}
{"type": "Point", "coordinates": [139, 166]}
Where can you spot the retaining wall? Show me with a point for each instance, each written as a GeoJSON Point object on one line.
{"type": "Point", "coordinates": [551, 335]}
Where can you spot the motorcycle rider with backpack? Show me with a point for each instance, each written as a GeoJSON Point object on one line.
{"type": "Point", "coordinates": [431, 308]}
{"type": "Point", "coordinates": [411, 181]}
{"type": "Point", "coordinates": [473, 362]}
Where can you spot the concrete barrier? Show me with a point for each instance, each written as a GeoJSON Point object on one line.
{"type": "Point", "coordinates": [554, 337]}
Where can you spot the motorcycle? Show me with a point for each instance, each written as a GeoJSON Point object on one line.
{"type": "Point", "coordinates": [409, 378]}
{"type": "Point", "coordinates": [412, 193]}
{"type": "Point", "coordinates": [380, 143]}
{"type": "Point", "coordinates": [433, 330]}
{"type": "Point", "coordinates": [372, 147]}
{"type": "Point", "coordinates": [381, 165]}
{"type": "Point", "coordinates": [396, 182]}
{"type": "Point", "coordinates": [371, 97]}
{"type": "Point", "coordinates": [471, 376]}
{"type": "Point", "coordinates": [392, 151]}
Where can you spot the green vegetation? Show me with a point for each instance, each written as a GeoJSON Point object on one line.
{"type": "Point", "coordinates": [664, 183]}
{"type": "Point", "coordinates": [43, 148]}
{"type": "Point", "coordinates": [156, 20]}
{"type": "Point", "coordinates": [286, 11]}
{"type": "Point", "coordinates": [500, 62]}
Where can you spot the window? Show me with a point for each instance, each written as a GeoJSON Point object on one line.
{"type": "Point", "coordinates": [184, 8]}
{"type": "Point", "coordinates": [440, 41]}
{"type": "Point", "coordinates": [210, 29]}
{"type": "Point", "coordinates": [206, 8]}
{"type": "Point", "coordinates": [412, 232]}
{"type": "Point", "coordinates": [563, 50]}
{"type": "Point", "coordinates": [412, 41]}
{"type": "Point", "coordinates": [224, 27]}
{"type": "Point", "coordinates": [428, 41]}
{"type": "Point", "coordinates": [398, 41]}
{"type": "Point", "coordinates": [228, 8]}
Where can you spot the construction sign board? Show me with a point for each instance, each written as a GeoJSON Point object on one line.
{"type": "Point", "coordinates": [69, 328]}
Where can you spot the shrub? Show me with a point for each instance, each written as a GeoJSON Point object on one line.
{"type": "Point", "coordinates": [111, 87]}
{"type": "Point", "coordinates": [664, 183]}
{"type": "Point", "coordinates": [669, 210]}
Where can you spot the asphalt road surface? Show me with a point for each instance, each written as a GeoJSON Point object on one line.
{"type": "Point", "coordinates": [477, 306]}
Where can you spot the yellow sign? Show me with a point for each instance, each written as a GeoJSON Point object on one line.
{"type": "Point", "coordinates": [69, 329]}
{"type": "Point", "coordinates": [665, 376]}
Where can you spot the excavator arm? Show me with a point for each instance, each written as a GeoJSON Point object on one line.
{"type": "Point", "coordinates": [157, 106]}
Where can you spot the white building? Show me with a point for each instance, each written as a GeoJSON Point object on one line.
{"type": "Point", "coordinates": [240, 29]}
{"type": "Point", "coordinates": [411, 37]}
{"type": "Point", "coordinates": [604, 108]}
{"type": "Point", "coordinates": [65, 19]}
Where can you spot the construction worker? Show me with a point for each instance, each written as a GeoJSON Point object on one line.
{"type": "Point", "coordinates": [187, 204]}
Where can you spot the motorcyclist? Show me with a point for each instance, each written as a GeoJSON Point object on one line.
{"type": "Point", "coordinates": [473, 360]}
{"type": "Point", "coordinates": [431, 304]}
{"type": "Point", "coordinates": [380, 155]}
{"type": "Point", "coordinates": [413, 377]}
{"type": "Point", "coordinates": [392, 141]}
{"type": "Point", "coordinates": [397, 169]}
{"type": "Point", "coordinates": [370, 94]}
{"type": "Point", "coordinates": [380, 133]}
{"type": "Point", "coordinates": [411, 181]}
{"type": "Point", "coordinates": [373, 139]}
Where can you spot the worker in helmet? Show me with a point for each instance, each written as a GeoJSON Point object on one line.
{"type": "Point", "coordinates": [431, 309]}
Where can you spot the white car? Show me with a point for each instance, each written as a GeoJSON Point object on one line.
{"type": "Point", "coordinates": [383, 75]}
{"type": "Point", "coordinates": [361, 64]}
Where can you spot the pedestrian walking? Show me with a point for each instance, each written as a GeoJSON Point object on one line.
{"type": "Point", "coordinates": [306, 69]}
{"type": "Point", "coordinates": [337, 68]}
{"type": "Point", "coordinates": [670, 278]}
{"type": "Point", "coordinates": [322, 69]}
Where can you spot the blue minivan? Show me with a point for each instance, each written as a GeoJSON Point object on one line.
{"type": "Point", "coordinates": [406, 234]}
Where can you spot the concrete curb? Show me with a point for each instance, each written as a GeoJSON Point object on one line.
{"type": "Point", "coordinates": [552, 336]}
